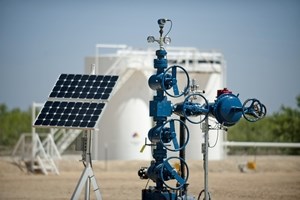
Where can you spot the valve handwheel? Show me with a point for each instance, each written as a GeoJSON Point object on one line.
{"type": "Point", "coordinates": [190, 108]}
{"type": "Point", "coordinates": [168, 134]}
{"type": "Point", "coordinates": [253, 110]}
{"type": "Point", "coordinates": [173, 173]}
{"type": "Point", "coordinates": [170, 81]}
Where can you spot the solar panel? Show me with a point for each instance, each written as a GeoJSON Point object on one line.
{"type": "Point", "coordinates": [76, 101]}
{"type": "Point", "coordinates": [69, 114]}
{"type": "Point", "coordinates": [78, 86]}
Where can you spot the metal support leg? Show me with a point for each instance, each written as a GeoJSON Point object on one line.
{"type": "Point", "coordinates": [87, 176]}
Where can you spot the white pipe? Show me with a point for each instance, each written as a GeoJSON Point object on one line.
{"type": "Point", "coordinates": [261, 144]}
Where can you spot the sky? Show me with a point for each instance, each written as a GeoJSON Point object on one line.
{"type": "Point", "coordinates": [41, 39]}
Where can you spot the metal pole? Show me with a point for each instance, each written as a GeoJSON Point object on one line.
{"type": "Point", "coordinates": [182, 152]}
{"type": "Point", "coordinates": [88, 163]}
{"type": "Point", "coordinates": [33, 137]}
{"type": "Point", "coordinates": [205, 129]}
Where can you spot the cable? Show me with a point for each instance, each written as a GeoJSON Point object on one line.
{"type": "Point", "coordinates": [204, 196]}
{"type": "Point", "coordinates": [147, 183]}
{"type": "Point", "coordinates": [215, 141]}
{"type": "Point", "coordinates": [170, 27]}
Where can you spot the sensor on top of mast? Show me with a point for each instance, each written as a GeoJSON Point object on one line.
{"type": "Point", "coordinates": [162, 39]}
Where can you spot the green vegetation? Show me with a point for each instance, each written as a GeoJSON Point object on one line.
{"type": "Point", "coordinates": [283, 126]}
{"type": "Point", "coordinates": [12, 124]}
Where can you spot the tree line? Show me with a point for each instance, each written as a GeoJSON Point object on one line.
{"type": "Point", "coordinates": [282, 126]}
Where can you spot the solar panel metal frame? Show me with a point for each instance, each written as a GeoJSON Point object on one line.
{"type": "Point", "coordinates": [75, 112]}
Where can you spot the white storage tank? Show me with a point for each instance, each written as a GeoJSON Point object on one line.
{"type": "Point", "coordinates": [125, 123]}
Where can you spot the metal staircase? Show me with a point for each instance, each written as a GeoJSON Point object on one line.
{"type": "Point", "coordinates": [67, 139]}
{"type": "Point", "coordinates": [30, 153]}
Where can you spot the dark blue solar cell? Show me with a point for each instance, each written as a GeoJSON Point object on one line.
{"type": "Point", "coordinates": [88, 84]}
{"type": "Point", "coordinates": [108, 90]}
{"type": "Point", "coordinates": [61, 123]}
{"type": "Point", "coordinates": [98, 96]}
{"type": "Point", "coordinates": [60, 95]}
{"type": "Point", "coordinates": [99, 78]}
{"type": "Point", "coordinates": [78, 104]}
{"type": "Point", "coordinates": [97, 112]}
{"type": "Point", "coordinates": [86, 118]}
{"type": "Point", "coordinates": [79, 117]}
{"type": "Point", "coordinates": [81, 83]}
{"type": "Point", "coordinates": [100, 90]}
{"type": "Point", "coordinates": [83, 124]}
{"type": "Point", "coordinates": [93, 105]}
{"type": "Point", "coordinates": [75, 111]}
{"type": "Point", "coordinates": [68, 95]}
{"type": "Point", "coordinates": [60, 110]}
{"type": "Point", "coordinates": [74, 83]}
{"type": "Point", "coordinates": [85, 105]}
{"type": "Point", "coordinates": [67, 82]}
{"type": "Point", "coordinates": [71, 117]}
{"type": "Point", "coordinates": [52, 110]}
{"type": "Point", "coordinates": [82, 95]}
{"type": "Point", "coordinates": [78, 89]}
{"type": "Point", "coordinates": [91, 124]}
{"type": "Point", "coordinates": [105, 96]}
{"type": "Point", "coordinates": [56, 88]}
{"type": "Point", "coordinates": [82, 111]}
{"type": "Point", "coordinates": [94, 118]}
{"type": "Point", "coordinates": [48, 104]}
{"type": "Point", "coordinates": [95, 84]}
{"type": "Point", "coordinates": [71, 89]}
{"type": "Point", "coordinates": [77, 77]}
{"type": "Point", "coordinates": [55, 104]}
{"type": "Point", "coordinates": [90, 96]}
{"type": "Point", "coordinates": [84, 77]}
{"type": "Point", "coordinates": [63, 76]}
{"type": "Point", "coordinates": [45, 109]}
{"type": "Point", "coordinates": [76, 124]}
{"type": "Point", "coordinates": [64, 117]}
{"type": "Point", "coordinates": [68, 110]}
{"type": "Point", "coordinates": [38, 122]}
{"type": "Point", "coordinates": [46, 122]}
{"type": "Point", "coordinates": [90, 111]}
{"type": "Point", "coordinates": [70, 104]}
{"type": "Point", "coordinates": [49, 116]}
{"type": "Point", "coordinates": [64, 88]}
{"type": "Point", "coordinates": [100, 106]}
{"type": "Point", "coordinates": [70, 76]}
{"type": "Point", "coordinates": [69, 123]}
{"type": "Point", "coordinates": [92, 77]}
{"type": "Point", "coordinates": [53, 94]}
{"type": "Point", "coordinates": [106, 78]}
{"type": "Point", "coordinates": [75, 95]}
{"type": "Point", "coordinates": [111, 84]}
{"type": "Point", "coordinates": [104, 84]}
{"type": "Point", "coordinates": [85, 90]}
{"type": "Point", "coordinates": [114, 78]}
{"type": "Point", "coordinates": [53, 123]}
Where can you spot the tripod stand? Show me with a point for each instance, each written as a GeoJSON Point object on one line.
{"type": "Point", "coordinates": [87, 176]}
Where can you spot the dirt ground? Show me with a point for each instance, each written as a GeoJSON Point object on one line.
{"type": "Point", "coordinates": [275, 178]}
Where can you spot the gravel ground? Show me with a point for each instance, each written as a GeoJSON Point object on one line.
{"type": "Point", "coordinates": [275, 178]}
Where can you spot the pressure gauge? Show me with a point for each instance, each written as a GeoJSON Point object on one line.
{"type": "Point", "coordinates": [150, 39]}
{"type": "Point", "coordinates": [167, 40]}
